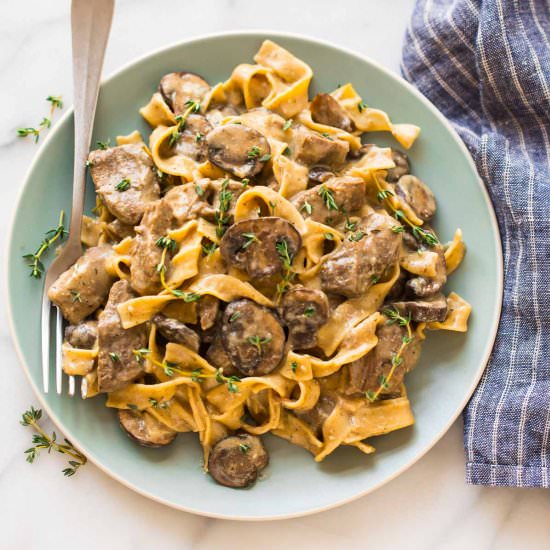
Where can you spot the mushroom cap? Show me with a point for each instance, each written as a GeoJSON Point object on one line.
{"type": "Point", "coordinates": [433, 308]}
{"type": "Point", "coordinates": [304, 310]}
{"type": "Point", "coordinates": [178, 88]}
{"type": "Point", "coordinates": [253, 337]}
{"type": "Point", "coordinates": [235, 461]}
{"type": "Point", "coordinates": [401, 166]}
{"type": "Point", "coordinates": [191, 141]}
{"type": "Point", "coordinates": [417, 195]}
{"type": "Point", "coordinates": [238, 149]}
{"type": "Point", "coordinates": [176, 331]}
{"type": "Point", "coordinates": [320, 174]}
{"type": "Point", "coordinates": [145, 429]}
{"type": "Point", "coordinates": [251, 245]}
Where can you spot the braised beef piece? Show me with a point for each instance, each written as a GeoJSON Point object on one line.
{"type": "Point", "coordinates": [177, 332]}
{"type": "Point", "coordinates": [145, 429]}
{"type": "Point", "coordinates": [236, 461]}
{"type": "Point", "coordinates": [254, 245]}
{"type": "Point", "coordinates": [253, 337]}
{"type": "Point", "coordinates": [326, 110]}
{"type": "Point", "coordinates": [311, 148]}
{"type": "Point", "coordinates": [238, 149]}
{"type": "Point", "coordinates": [371, 371]}
{"type": "Point", "coordinates": [125, 179]}
{"type": "Point", "coordinates": [83, 335]}
{"type": "Point", "coordinates": [316, 416]}
{"type": "Point", "coordinates": [80, 290]}
{"type": "Point", "coordinates": [179, 88]}
{"type": "Point", "coordinates": [208, 308]}
{"type": "Point", "coordinates": [117, 364]}
{"type": "Point", "coordinates": [146, 254]}
{"type": "Point", "coordinates": [304, 310]}
{"type": "Point", "coordinates": [119, 231]}
{"type": "Point", "coordinates": [332, 201]}
{"type": "Point", "coordinates": [363, 259]}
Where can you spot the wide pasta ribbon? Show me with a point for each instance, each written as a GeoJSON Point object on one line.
{"type": "Point", "coordinates": [373, 120]}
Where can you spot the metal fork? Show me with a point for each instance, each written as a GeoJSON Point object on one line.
{"type": "Point", "coordinates": [90, 26]}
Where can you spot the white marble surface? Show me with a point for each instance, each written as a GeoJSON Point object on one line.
{"type": "Point", "coordinates": [428, 507]}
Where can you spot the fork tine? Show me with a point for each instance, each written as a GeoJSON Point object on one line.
{"type": "Point", "coordinates": [83, 387]}
{"type": "Point", "coordinates": [45, 326]}
{"type": "Point", "coordinates": [58, 350]}
{"type": "Point", "coordinates": [71, 385]}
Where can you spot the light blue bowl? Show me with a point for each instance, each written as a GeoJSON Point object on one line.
{"type": "Point", "coordinates": [439, 388]}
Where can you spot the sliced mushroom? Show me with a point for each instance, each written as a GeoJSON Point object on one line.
{"type": "Point", "coordinates": [191, 141]}
{"type": "Point", "coordinates": [253, 337]}
{"type": "Point", "coordinates": [145, 429]}
{"type": "Point", "coordinates": [433, 308]}
{"type": "Point", "coordinates": [179, 88]}
{"type": "Point", "coordinates": [417, 195]}
{"type": "Point", "coordinates": [370, 372]}
{"type": "Point", "coordinates": [177, 332]}
{"type": "Point", "coordinates": [83, 335]}
{"type": "Point", "coordinates": [424, 287]}
{"type": "Point", "coordinates": [401, 168]}
{"type": "Point", "coordinates": [235, 461]}
{"type": "Point", "coordinates": [326, 110]}
{"type": "Point", "coordinates": [80, 290]}
{"type": "Point", "coordinates": [125, 179]}
{"type": "Point", "coordinates": [332, 201]}
{"type": "Point", "coordinates": [316, 416]}
{"type": "Point", "coordinates": [252, 245]}
{"type": "Point", "coordinates": [304, 310]}
{"type": "Point", "coordinates": [238, 149]}
{"type": "Point", "coordinates": [359, 263]}
{"type": "Point", "coordinates": [320, 174]}
{"type": "Point", "coordinates": [219, 358]}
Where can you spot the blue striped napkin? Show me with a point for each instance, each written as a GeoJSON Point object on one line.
{"type": "Point", "coordinates": [486, 65]}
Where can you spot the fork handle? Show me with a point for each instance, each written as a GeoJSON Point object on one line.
{"type": "Point", "coordinates": [90, 26]}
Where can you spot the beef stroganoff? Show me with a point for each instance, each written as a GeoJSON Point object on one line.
{"type": "Point", "coordinates": [257, 267]}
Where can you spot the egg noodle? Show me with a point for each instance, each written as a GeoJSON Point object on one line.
{"type": "Point", "coordinates": [178, 386]}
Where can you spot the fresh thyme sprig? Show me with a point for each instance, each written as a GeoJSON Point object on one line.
{"type": "Point", "coordinates": [286, 261]}
{"type": "Point", "coordinates": [328, 197]}
{"type": "Point", "coordinates": [42, 441]}
{"type": "Point", "coordinates": [249, 239]}
{"type": "Point", "coordinates": [220, 216]}
{"type": "Point", "coordinates": [397, 359]}
{"type": "Point", "coordinates": [45, 123]}
{"type": "Point", "coordinates": [384, 195]}
{"type": "Point", "coordinates": [192, 107]}
{"type": "Point", "coordinates": [35, 260]}
{"type": "Point", "coordinates": [196, 375]}
{"type": "Point", "coordinates": [258, 341]}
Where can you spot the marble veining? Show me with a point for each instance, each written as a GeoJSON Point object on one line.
{"type": "Point", "coordinates": [428, 507]}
